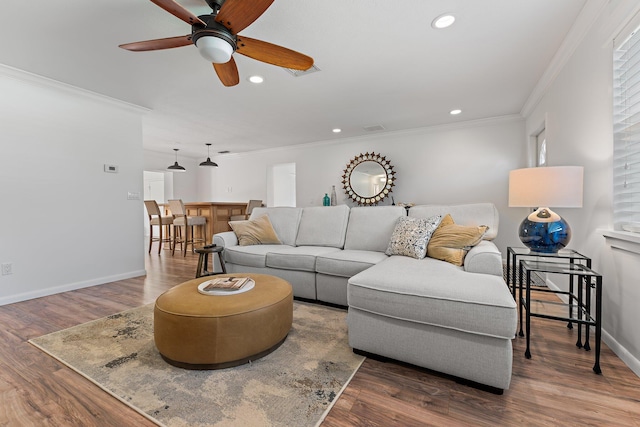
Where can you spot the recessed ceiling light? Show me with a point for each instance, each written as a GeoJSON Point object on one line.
{"type": "Point", "coordinates": [256, 79]}
{"type": "Point", "coordinates": [455, 112]}
{"type": "Point", "coordinates": [336, 130]}
{"type": "Point", "coordinates": [443, 21]}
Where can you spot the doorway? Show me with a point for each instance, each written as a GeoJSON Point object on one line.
{"type": "Point", "coordinates": [281, 188]}
{"type": "Point", "coordinates": [158, 186]}
{"type": "Point", "coordinates": [154, 186]}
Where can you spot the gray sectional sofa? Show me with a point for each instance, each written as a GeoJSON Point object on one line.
{"type": "Point", "coordinates": [427, 312]}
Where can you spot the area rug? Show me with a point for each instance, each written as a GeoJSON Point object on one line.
{"type": "Point", "coordinates": [293, 386]}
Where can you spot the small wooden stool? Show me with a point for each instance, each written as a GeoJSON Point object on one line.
{"type": "Point", "coordinates": [203, 260]}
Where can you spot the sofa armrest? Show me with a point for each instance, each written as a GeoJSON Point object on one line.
{"type": "Point", "coordinates": [484, 258]}
{"type": "Point", "coordinates": [225, 239]}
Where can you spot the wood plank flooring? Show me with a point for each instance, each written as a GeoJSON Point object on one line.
{"type": "Point", "coordinates": [555, 388]}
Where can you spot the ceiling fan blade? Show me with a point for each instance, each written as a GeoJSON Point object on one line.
{"type": "Point", "coordinates": [237, 15]}
{"type": "Point", "coordinates": [273, 54]}
{"type": "Point", "coordinates": [178, 11]}
{"type": "Point", "coordinates": [158, 44]}
{"type": "Point", "coordinates": [228, 72]}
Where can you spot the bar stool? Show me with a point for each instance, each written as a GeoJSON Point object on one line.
{"type": "Point", "coordinates": [181, 219]}
{"type": "Point", "coordinates": [203, 260]}
{"type": "Point", "coordinates": [252, 204]}
{"type": "Point", "coordinates": [158, 220]}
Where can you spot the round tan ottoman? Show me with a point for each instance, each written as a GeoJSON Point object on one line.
{"type": "Point", "coordinates": [197, 331]}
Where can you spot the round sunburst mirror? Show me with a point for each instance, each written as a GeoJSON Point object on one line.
{"type": "Point", "coordinates": [368, 179]}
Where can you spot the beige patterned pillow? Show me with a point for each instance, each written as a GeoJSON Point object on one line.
{"type": "Point", "coordinates": [411, 236]}
{"type": "Point", "coordinates": [257, 231]}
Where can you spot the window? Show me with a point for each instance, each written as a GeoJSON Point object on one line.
{"type": "Point", "coordinates": [541, 148]}
{"type": "Point", "coordinates": [626, 129]}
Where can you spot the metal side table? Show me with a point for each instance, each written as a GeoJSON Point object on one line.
{"type": "Point", "coordinates": [579, 306]}
{"type": "Point", "coordinates": [563, 255]}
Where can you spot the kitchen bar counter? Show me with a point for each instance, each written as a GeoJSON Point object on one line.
{"type": "Point", "coordinates": [216, 213]}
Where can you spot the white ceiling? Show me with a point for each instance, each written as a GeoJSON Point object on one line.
{"type": "Point", "coordinates": [381, 64]}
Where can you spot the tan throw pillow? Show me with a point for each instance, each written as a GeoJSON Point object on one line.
{"type": "Point", "coordinates": [411, 236]}
{"type": "Point", "coordinates": [257, 231]}
{"type": "Point", "coordinates": [451, 242]}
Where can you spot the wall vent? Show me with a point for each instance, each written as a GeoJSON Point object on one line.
{"type": "Point", "coordinates": [374, 128]}
{"type": "Point", "coordinates": [298, 73]}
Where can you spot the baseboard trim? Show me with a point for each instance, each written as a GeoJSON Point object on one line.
{"type": "Point", "coordinates": [70, 287]}
{"type": "Point", "coordinates": [620, 351]}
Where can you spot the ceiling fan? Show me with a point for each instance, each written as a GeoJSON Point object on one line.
{"type": "Point", "coordinates": [216, 37]}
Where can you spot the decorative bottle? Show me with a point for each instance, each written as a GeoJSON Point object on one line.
{"type": "Point", "coordinates": [326, 201]}
{"type": "Point", "coordinates": [333, 195]}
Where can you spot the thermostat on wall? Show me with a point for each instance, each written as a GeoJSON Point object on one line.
{"type": "Point", "coordinates": [111, 168]}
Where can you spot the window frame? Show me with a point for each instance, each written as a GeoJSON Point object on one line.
{"type": "Point", "coordinates": [626, 126]}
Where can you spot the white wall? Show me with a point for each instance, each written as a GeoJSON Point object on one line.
{"type": "Point", "coordinates": [578, 110]}
{"type": "Point", "coordinates": [468, 162]}
{"type": "Point", "coordinates": [66, 224]}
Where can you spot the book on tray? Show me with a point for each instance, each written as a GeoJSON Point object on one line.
{"type": "Point", "coordinates": [227, 284]}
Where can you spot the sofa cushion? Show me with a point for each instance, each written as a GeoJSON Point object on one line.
{"type": "Point", "coordinates": [370, 228]}
{"type": "Point", "coordinates": [301, 258]}
{"type": "Point", "coordinates": [285, 221]}
{"type": "Point", "coordinates": [435, 292]}
{"type": "Point", "coordinates": [411, 236]}
{"type": "Point", "coordinates": [473, 214]}
{"type": "Point", "coordinates": [257, 231]}
{"type": "Point", "coordinates": [347, 263]}
{"type": "Point", "coordinates": [451, 242]}
{"type": "Point", "coordinates": [323, 226]}
{"type": "Point", "coordinates": [250, 256]}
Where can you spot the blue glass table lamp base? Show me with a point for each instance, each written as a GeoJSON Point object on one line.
{"type": "Point", "coordinates": [545, 231]}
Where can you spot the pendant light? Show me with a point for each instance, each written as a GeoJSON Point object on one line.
{"type": "Point", "coordinates": [176, 167]}
{"type": "Point", "coordinates": [208, 162]}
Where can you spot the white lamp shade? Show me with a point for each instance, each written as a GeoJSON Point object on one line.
{"type": "Point", "coordinates": [553, 186]}
{"type": "Point", "coordinates": [214, 49]}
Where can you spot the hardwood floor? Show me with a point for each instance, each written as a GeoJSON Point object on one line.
{"type": "Point", "coordinates": [555, 388]}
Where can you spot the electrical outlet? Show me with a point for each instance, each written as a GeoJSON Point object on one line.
{"type": "Point", "coordinates": [7, 268]}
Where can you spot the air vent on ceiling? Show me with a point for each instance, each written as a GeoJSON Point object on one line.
{"type": "Point", "coordinates": [224, 152]}
{"type": "Point", "coordinates": [298, 73]}
{"type": "Point", "coordinates": [374, 128]}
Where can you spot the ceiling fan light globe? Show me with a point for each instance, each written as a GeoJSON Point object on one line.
{"type": "Point", "coordinates": [214, 49]}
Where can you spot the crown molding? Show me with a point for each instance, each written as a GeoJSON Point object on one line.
{"type": "Point", "coordinates": [627, 20]}
{"type": "Point", "coordinates": [38, 80]}
{"type": "Point", "coordinates": [580, 28]}
{"type": "Point", "coordinates": [490, 121]}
